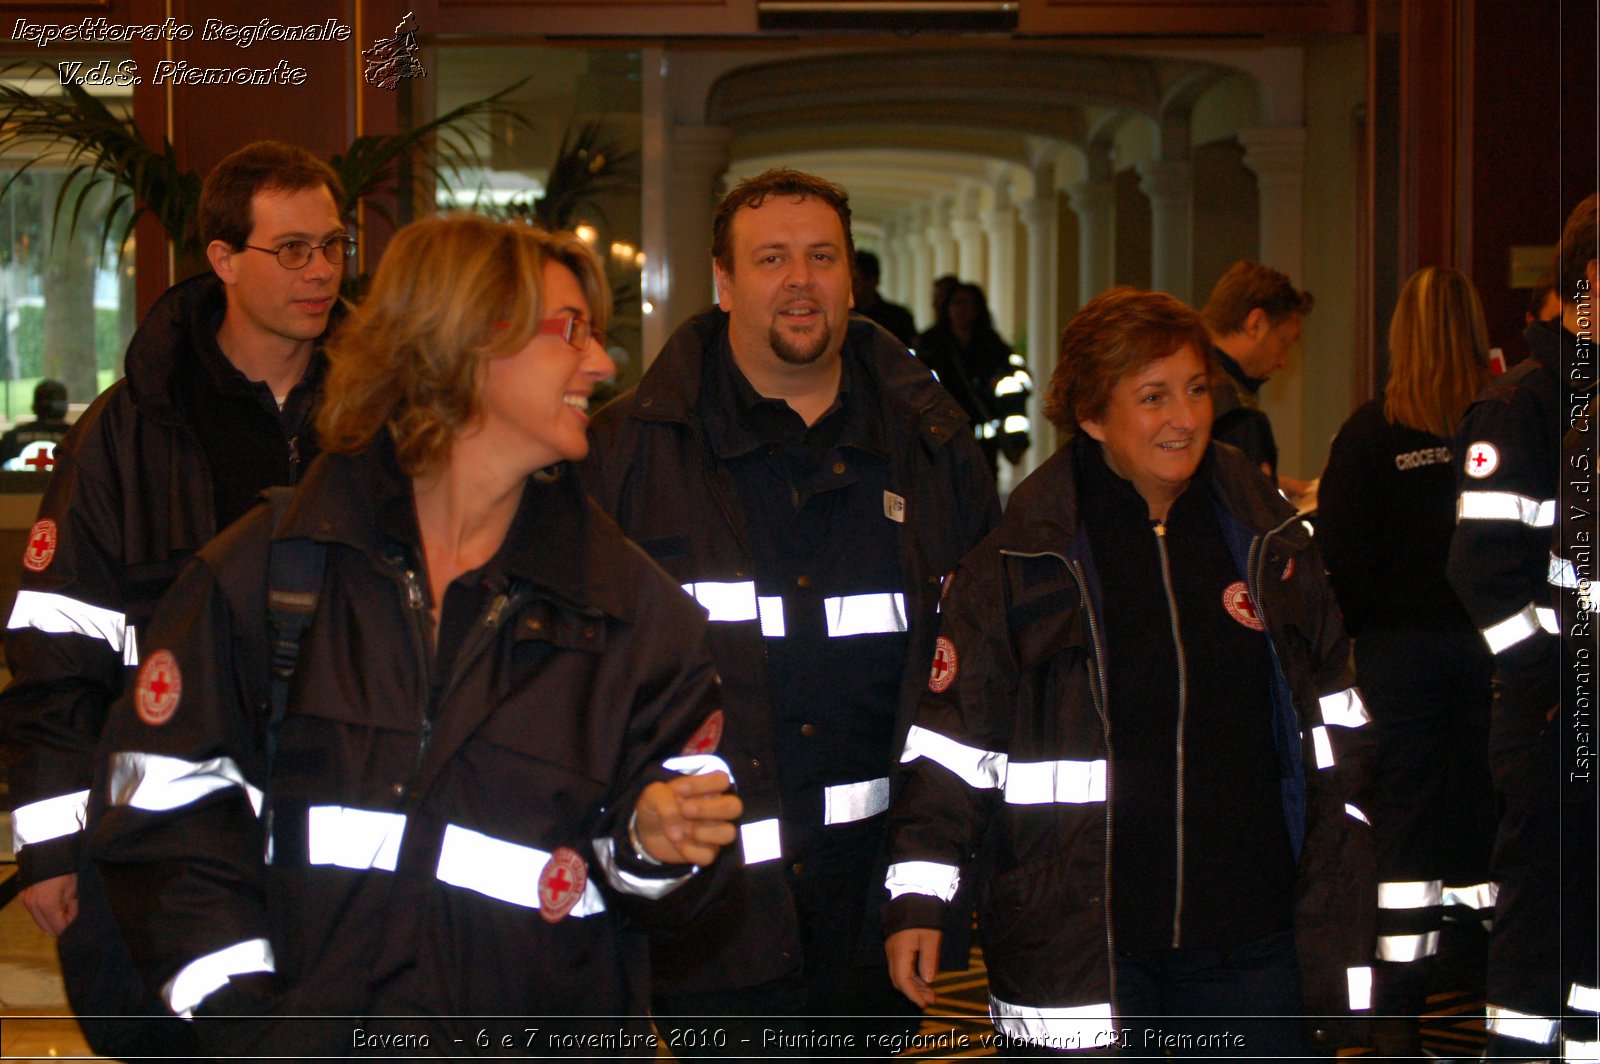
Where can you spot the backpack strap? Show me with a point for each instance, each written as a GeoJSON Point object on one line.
{"type": "Point", "coordinates": [294, 581]}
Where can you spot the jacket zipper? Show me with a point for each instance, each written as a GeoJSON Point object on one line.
{"type": "Point", "coordinates": [417, 614]}
{"type": "Point", "coordinates": [1183, 710]}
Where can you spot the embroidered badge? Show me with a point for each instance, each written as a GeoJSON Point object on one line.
{"type": "Point", "coordinates": [706, 740]}
{"type": "Point", "coordinates": [1482, 459]}
{"type": "Point", "coordinates": [1236, 599]}
{"type": "Point", "coordinates": [894, 507]}
{"type": "Point", "coordinates": [158, 688]}
{"type": "Point", "coordinates": [41, 550]}
{"type": "Point", "coordinates": [561, 884]}
{"type": "Point", "coordinates": [944, 666]}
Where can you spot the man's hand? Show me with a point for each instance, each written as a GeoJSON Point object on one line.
{"type": "Point", "coordinates": [914, 961]}
{"type": "Point", "coordinates": [53, 902]}
{"type": "Point", "coordinates": [687, 820]}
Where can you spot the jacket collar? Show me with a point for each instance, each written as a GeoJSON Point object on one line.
{"type": "Point", "coordinates": [1554, 347]}
{"type": "Point", "coordinates": [1236, 371]}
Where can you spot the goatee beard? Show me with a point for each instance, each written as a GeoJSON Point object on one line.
{"type": "Point", "coordinates": [790, 350]}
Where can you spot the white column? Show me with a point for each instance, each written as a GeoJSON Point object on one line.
{"type": "Point", "coordinates": [1169, 185]}
{"type": "Point", "coordinates": [921, 301]}
{"type": "Point", "coordinates": [971, 264]}
{"type": "Point", "coordinates": [699, 157]}
{"type": "Point", "coordinates": [1042, 220]}
{"type": "Point", "coordinates": [941, 240]}
{"type": "Point", "coordinates": [1000, 229]}
{"type": "Point", "coordinates": [1095, 204]}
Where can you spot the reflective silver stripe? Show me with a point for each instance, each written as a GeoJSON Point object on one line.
{"type": "Point", "coordinates": [846, 803]}
{"type": "Point", "coordinates": [197, 979]}
{"type": "Point", "coordinates": [1514, 1024]}
{"type": "Point", "coordinates": [1351, 810]}
{"type": "Point", "coordinates": [874, 614]}
{"type": "Point", "coordinates": [1344, 709]}
{"type": "Point", "coordinates": [725, 602]}
{"type": "Point", "coordinates": [354, 838]}
{"type": "Point", "coordinates": [1505, 506]}
{"type": "Point", "coordinates": [1083, 1026]}
{"type": "Point", "coordinates": [51, 818]}
{"type": "Point", "coordinates": [503, 870]}
{"type": "Point", "coordinates": [1586, 998]}
{"type": "Point", "coordinates": [978, 768]}
{"type": "Point", "coordinates": [1044, 782]}
{"type": "Point", "coordinates": [1402, 948]}
{"type": "Point", "coordinates": [770, 607]}
{"type": "Point", "coordinates": [1322, 746]}
{"type": "Point", "coordinates": [1359, 981]}
{"type": "Point", "coordinates": [1015, 423]}
{"type": "Point", "coordinates": [697, 765]}
{"type": "Point", "coordinates": [1477, 896]}
{"type": "Point", "coordinates": [605, 852]}
{"type": "Point", "coordinates": [923, 877]}
{"type": "Point", "coordinates": [1413, 894]}
{"type": "Point", "coordinates": [161, 784]}
{"type": "Point", "coordinates": [1513, 630]}
{"type": "Point", "coordinates": [60, 615]}
{"type": "Point", "coordinates": [761, 841]}
{"type": "Point", "coordinates": [1547, 619]}
{"type": "Point", "coordinates": [1562, 573]}
{"type": "Point", "coordinates": [1573, 1052]}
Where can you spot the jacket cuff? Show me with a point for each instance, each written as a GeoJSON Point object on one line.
{"type": "Point", "coordinates": [40, 861]}
{"type": "Point", "coordinates": [913, 910]}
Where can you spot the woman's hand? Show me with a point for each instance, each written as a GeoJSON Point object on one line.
{"type": "Point", "coordinates": [914, 961]}
{"type": "Point", "coordinates": [687, 820]}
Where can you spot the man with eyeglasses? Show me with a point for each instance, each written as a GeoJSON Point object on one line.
{"type": "Point", "coordinates": [223, 377]}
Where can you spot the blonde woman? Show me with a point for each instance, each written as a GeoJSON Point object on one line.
{"type": "Point", "coordinates": [478, 782]}
{"type": "Point", "coordinates": [1387, 511]}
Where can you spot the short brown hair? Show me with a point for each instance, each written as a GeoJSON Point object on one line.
{"type": "Point", "coordinates": [225, 198]}
{"type": "Point", "coordinates": [1578, 246]}
{"type": "Point", "coordinates": [752, 192]}
{"type": "Point", "coordinates": [1246, 286]}
{"type": "Point", "coordinates": [451, 293]}
{"type": "Point", "coordinates": [1116, 333]}
{"type": "Point", "coordinates": [1438, 352]}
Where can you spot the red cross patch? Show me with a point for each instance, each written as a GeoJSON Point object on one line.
{"type": "Point", "coordinates": [42, 460]}
{"type": "Point", "coordinates": [708, 738]}
{"type": "Point", "coordinates": [944, 666]}
{"type": "Point", "coordinates": [159, 687]}
{"type": "Point", "coordinates": [1482, 459]}
{"type": "Point", "coordinates": [41, 549]}
{"type": "Point", "coordinates": [1236, 599]}
{"type": "Point", "coordinates": [561, 884]}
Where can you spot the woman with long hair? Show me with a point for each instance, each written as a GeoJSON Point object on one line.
{"type": "Point", "coordinates": [1387, 511]}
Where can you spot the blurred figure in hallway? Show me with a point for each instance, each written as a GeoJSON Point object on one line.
{"type": "Point", "coordinates": [981, 371]}
{"type": "Point", "coordinates": [891, 316]}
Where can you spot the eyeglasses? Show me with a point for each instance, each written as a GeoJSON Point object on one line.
{"type": "Point", "coordinates": [575, 331]}
{"type": "Point", "coordinates": [295, 254]}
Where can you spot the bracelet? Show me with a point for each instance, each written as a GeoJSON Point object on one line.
{"type": "Point", "coordinates": [638, 847]}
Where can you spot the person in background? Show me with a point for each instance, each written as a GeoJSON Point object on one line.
{"type": "Point", "coordinates": [223, 378]}
{"type": "Point", "coordinates": [472, 756]}
{"type": "Point", "coordinates": [981, 372]}
{"type": "Point", "coordinates": [1509, 483]}
{"type": "Point", "coordinates": [48, 427]}
{"type": "Point", "coordinates": [943, 285]}
{"type": "Point", "coordinates": [892, 316]}
{"type": "Point", "coordinates": [1386, 514]}
{"type": "Point", "coordinates": [809, 485]}
{"type": "Point", "coordinates": [1140, 720]}
{"type": "Point", "coordinates": [1254, 315]}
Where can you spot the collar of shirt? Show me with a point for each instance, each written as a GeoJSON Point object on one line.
{"type": "Point", "coordinates": [1236, 371]}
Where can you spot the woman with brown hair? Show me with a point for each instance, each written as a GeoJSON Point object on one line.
{"type": "Point", "coordinates": [458, 788]}
{"type": "Point", "coordinates": [1387, 510]}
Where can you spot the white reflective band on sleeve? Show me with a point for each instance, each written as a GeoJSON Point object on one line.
{"type": "Point", "coordinates": [1015, 423]}
{"type": "Point", "coordinates": [1513, 630]}
{"type": "Point", "coordinates": [1322, 746]}
{"type": "Point", "coordinates": [1505, 506]}
{"type": "Point", "coordinates": [1403, 948]}
{"type": "Point", "coordinates": [846, 803]}
{"type": "Point", "coordinates": [1014, 383]}
{"type": "Point", "coordinates": [1580, 1052]}
{"type": "Point", "coordinates": [725, 602]}
{"type": "Point", "coordinates": [60, 615]}
{"type": "Point", "coordinates": [605, 851]}
{"type": "Point", "coordinates": [65, 814]}
{"type": "Point", "coordinates": [1344, 709]}
{"type": "Point", "coordinates": [761, 841]}
{"type": "Point", "coordinates": [923, 877]}
{"type": "Point", "coordinates": [1562, 573]}
{"type": "Point", "coordinates": [1547, 619]}
{"type": "Point", "coordinates": [1514, 1024]}
{"type": "Point", "coordinates": [986, 430]}
{"type": "Point", "coordinates": [1086, 1026]}
{"type": "Point", "coordinates": [978, 768]}
{"type": "Point", "coordinates": [770, 607]}
{"type": "Point", "coordinates": [1045, 782]}
{"type": "Point", "coordinates": [874, 614]}
{"type": "Point", "coordinates": [697, 765]}
{"type": "Point", "coordinates": [1351, 810]}
{"type": "Point", "coordinates": [504, 870]}
{"type": "Point", "coordinates": [1410, 894]}
{"type": "Point", "coordinates": [1360, 983]}
{"type": "Point", "coordinates": [1584, 998]}
{"type": "Point", "coordinates": [198, 979]}
{"type": "Point", "coordinates": [161, 784]}
{"type": "Point", "coordinates": [1478, 896]}
{"type": "Point", "coordinates": [354, 838]}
